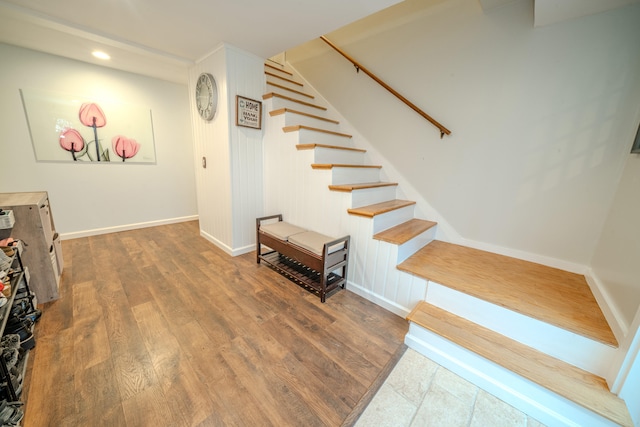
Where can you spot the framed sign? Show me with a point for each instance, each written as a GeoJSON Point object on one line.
{"type": "Point", "coordinates": [248, 112]}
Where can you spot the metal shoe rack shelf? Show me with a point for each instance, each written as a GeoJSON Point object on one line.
{"type": "Point", "coordinates": [19, 282]}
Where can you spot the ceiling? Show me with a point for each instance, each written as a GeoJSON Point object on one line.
{"type": "Point", "coordinates": [163, 38]}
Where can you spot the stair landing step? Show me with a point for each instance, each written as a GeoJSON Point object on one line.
{"type": "Point", "coordinates": [545, 293]}
{"type": "Point", "coordinates": [577, 385]}
{"type": "Point", "coordinates": [404, 232]}
{"type": "Point", "coordinates": [296, 128]}
{"type": "Point", "coordinates": [380, 208]}
{"type": "Point", "coordinates": [348, 188]}
{"type": "Point", "coordinates": [302, 113]}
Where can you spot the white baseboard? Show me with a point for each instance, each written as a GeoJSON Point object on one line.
{"type": "Point", "coordinates": [377, 299]}
{"type": "Point", "coordinates": [135, 226]}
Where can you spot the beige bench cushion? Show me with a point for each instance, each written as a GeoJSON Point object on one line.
{"type": "Point", "coordinates": [281, 230]}
{"type": "Point", "coordinates": [312, 241]}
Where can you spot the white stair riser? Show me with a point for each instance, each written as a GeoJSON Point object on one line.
{"type": "Point", "coordinates": [273, 85]}
{"type": "Point", "coordinates": [371, 196]}
{"type": "Point", "coordinates": [418, 242]}
{"type": "Point", "coordinates": [530, 398]}
{"type": "Point", "coordinates": [278, 103]}
{"type": "Point", "coordinates": [278, 72]}
{"type": "Point", "coordinates": [393, 218]}
{"type": "Point", "coordinates": [341, 175]}
{"type": "Point", "coordinates": [331, 155]}
{"type": "Point", "coordinates": [293, 119]}
{"type": "Point", "coordinates": [306, 136]}
{"type": "Point", "coordinates": [559, 343]}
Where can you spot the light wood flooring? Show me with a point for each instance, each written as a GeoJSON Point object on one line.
{"type": "Point", "coordinates": [554, 296]}
{"type": "Point", "coordinates": [158, 327]}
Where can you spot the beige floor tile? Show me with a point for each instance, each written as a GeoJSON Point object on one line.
{"type": "Point", "coordinates": [387, 409]}
{"type": "Point", "coordinates": [412, 376]}
{"type": "Point", "coordinates": [456, 386]}
{"type": "Point", "coordinates": [440, 408]}
{"type": "Point", "coordinates": [491, 411]}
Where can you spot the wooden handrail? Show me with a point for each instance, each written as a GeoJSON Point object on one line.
{"type": "Point", "coordinates": [443, 130]}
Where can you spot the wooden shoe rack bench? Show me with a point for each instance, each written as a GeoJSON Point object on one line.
{"type": "Point", "coordinates": [314, 261]}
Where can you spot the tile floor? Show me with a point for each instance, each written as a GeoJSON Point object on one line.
{"type": "Point", "coordinates": [421, 393]}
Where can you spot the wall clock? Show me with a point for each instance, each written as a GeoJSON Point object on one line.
{"type": "Point", "coordinates": [206, 96]}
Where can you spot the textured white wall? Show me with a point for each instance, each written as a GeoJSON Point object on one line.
{"type": "Point", "coordinates": [540, 117]}
{"type": "Point", "coordinates": [94, 198]}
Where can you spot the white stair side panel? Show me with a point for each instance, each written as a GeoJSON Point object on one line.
{"type": "Point", "coordinates": [331, 155]}
{"type": "Point", "coordinates": [293, 119]}
{"type": "Point", "coordinates": [418, 242]}
{"type": "Point", "coordinates": [278, 103]}
{"type": "Point", "coordinates": [371, 196]}
{"type": "Point", "coordinates": [342, 175]}
{"type": "Point", "coordinates": [392, 218]}
{"type": "Point", "coordinates": [306, 136]}
{"type": "Point", "coordinates": [360, 229]}
{"type": "Point", "coordinates": [567, 346]}
{"type": "Point", "coordinates": [526, 396]}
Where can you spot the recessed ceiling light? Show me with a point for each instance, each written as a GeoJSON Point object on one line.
{"type": "Point", "coordinates": [100, 54]}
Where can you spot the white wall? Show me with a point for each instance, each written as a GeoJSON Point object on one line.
{"type": "Point", "coordinates": [230, 194]}
{"type": "Point", "coordinates": [91, 198]}
{"type": "Point", "coordinates": [616, 260]}
{"type": "Point", "coordinates": [540, 117]}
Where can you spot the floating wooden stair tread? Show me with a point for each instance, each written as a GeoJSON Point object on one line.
{"type": "Point", "coordinates": [348, 188]}
{"type": "Point", "coordinates": [268, 73]}
{"type": "Point", "coordinates": [333, 147]}
{"type": "Point", "coordinates": [278, 68]}
{"type": "Point", "coordinates": [296, 128]}
{"type": "Point", "coordinates": [380, 208]}
{"type": "Point", "coordinates": [302, 113]}
{"type": "Point", "coordinates": [404, 232]}
{"type": "Point", "coordinates": [298, 92]}
{"type": "Point", "coordinates": [548, 294]}
{"type": "Point", "coordinates": [288, 98]}
{"type": "Point", "coordinates": [334, 165]}
{"type": "Point", "coordinates": [577, 385]}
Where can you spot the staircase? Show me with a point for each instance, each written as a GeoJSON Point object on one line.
{"type": "Point", "coordinates": [532, 335]}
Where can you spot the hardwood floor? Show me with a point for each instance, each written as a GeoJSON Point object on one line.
{"type": "Point", "coordinates": [158, 327]}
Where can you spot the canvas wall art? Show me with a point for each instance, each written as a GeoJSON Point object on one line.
{"type": "Point", "coordinates": [69, 128]}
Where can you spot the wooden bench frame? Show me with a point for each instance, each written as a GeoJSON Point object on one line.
{"type": "Point", "coordinates": [316, 273]}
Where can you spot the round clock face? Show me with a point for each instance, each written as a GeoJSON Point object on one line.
{"type": "Point", "coordinates": [206, 96]}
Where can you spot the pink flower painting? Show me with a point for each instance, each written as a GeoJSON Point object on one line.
{"type": "Point", "coordinates": [125, 147]}
{"type": "Point", "coordinates": [91, 115]}
{"type": "Point", "coordinates": [71, 140]}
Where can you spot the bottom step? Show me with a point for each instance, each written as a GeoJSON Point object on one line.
{"type": "Point", "coordinates": [567, 381]}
